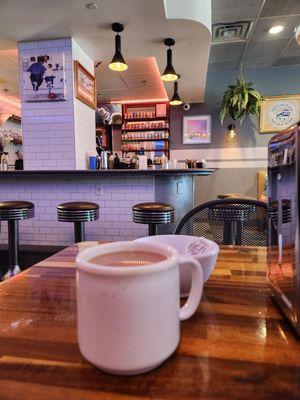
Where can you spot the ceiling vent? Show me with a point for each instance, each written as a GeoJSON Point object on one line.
{"type": "Point", "coordinates": [231, 32]}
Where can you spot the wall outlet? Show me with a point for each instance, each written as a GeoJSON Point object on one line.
{"type": "Point", "coordinates": [99, 190]}
{"type": "Point", "coordinates": [180, 188]}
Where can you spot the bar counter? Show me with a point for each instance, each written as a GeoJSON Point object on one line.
{"type": "Point", "coordinates": [237, 346]}
{"type": "Point", "coordinates": [110, 172]}
{"type": "Point", "coordinates": [116, 191]}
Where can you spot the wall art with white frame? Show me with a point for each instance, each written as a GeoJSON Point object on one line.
{"type": "Point", "coordinates": [197, 129]}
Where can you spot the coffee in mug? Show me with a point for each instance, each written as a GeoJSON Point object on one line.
{"type": "Point", "coordinates": [127, 259]}
{"type": "Point", "coordinates": [128, 305]}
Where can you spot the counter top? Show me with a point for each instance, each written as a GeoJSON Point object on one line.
{"type": "Point", "coordinates": [110, 172]}
{"type": "Point", "coordinates": [237, 346]}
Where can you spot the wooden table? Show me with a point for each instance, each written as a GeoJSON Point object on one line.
{"type": "Point", "coordinates": [237, 346]}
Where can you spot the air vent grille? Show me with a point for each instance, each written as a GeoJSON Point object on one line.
{"type": "Point", "coordinates": [231, 32]}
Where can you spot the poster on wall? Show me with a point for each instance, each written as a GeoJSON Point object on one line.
{"type": "Point", "coordinates": [279, 112]}
{"type": "Point", "coordinates": [43, 77]}
{"type": "Point", "coordinates": [85, 85]}
{"type": "Point", "coordinates": [197, 129]}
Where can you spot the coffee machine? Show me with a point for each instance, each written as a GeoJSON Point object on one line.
{"type": "Point", "coordinates": [283, 243]}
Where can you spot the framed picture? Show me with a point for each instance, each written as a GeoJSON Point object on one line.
{"type": "Point", "coordinates": [197, 129]}
{"type": "Point", "coordinates": [85, 85]}
{"type": "Point", "coordinates": [43, 77]}
{"type": "Point", "coordinates": [279, 112]}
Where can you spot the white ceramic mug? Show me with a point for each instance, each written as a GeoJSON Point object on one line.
{"type": "Point", "coordinates": [128, 317]}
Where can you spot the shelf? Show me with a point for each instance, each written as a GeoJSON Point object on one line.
{"type": "Point", "coordinates": [144, 140]}
{"type": "Point", "coordinates": [146, 130]}
{"type": "Point", "coordinates": [135, 151]}
{"type": "Point", "coordinates": [145, 119]}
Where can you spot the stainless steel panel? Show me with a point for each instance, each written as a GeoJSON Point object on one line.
{"type": "Point", "coordinates": [283, 249]}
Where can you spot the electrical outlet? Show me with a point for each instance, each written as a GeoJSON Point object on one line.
{"type": "Point", "coordinates": [99, 190]}
{"type": "Point", "coordinates": [179, 187]}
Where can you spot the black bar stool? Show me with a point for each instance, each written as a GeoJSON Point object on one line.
{"type": "Point", "coordinates": [78, 212]}
{"type": "Point", "coordinates": [153, 214]}
{"type": "Point", "coordinates": [13, 212]}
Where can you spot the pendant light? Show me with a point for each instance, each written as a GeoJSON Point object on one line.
{"type": "Point", "coordinates": [176, 100]}
{"type": "Point", "coordinates": [169, 74]}
{"type": "Point", "coordinates": [118, 63]}
{"type": "Point", "coordinates": [231, 133]}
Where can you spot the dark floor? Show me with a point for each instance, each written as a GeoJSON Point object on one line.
{"type": "Point", "coordinates": [28, 256]}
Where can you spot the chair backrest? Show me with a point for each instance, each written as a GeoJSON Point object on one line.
{"type": "Point", "coordinates": [228, 221]}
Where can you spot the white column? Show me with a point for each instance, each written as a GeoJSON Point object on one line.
{"type": "Point", "coordinates": [57, 135]}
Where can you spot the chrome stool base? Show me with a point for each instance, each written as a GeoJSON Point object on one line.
{"type": "Point", "coordinates": [13, 212]}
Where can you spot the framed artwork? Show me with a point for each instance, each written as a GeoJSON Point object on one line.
{"type": "Point", "coordinates": [197, 129]}
{"type": "Point", "coordinates": [279, 112]}
{"type": "Point", "coordinates": [85, 85]}
{"type": "Point", "coordinates": [43, 77]}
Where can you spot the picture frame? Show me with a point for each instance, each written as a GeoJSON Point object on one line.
{"type": "Point", "coordinates": [196, 129]}
{"type": "Point", "coordinates": [43, 77]}
{"type": "Point", "coordinates": [85, 85]}
{"type": "Point", "coordinates": [279, 113]}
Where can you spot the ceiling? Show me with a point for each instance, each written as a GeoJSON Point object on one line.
{"type": "Point", "coordinates": [260, 48]}
{"type": "Point", "coordinates": [146, 26]}
{"type": "Point", "coordinates": [140, 81]}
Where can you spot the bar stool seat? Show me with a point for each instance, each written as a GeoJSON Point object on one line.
{"type": "Point", "coordinates": [78, 212]}
{"type": "Point", "coordinates": [153, 214]}
{"type": "Point", "coordinates": [14, 211]}
{"type": "Point", "coordinates": [235, 196]}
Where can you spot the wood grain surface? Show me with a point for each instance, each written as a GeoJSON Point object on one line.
{"type": "Point", "coordinates": [237, 346]}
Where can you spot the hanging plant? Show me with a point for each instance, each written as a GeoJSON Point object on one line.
{"type": "Point", "coordinates": [240, 100]}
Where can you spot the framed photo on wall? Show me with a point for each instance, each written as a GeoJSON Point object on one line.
{"type": "Point", "coordinates": [85, 85]}
{"type": "Point", "coordinates": [197, 129]}
{"type": "Point", "coordinates": [279, 112]}
{"type": "Point", "coordinates": [43, 77]}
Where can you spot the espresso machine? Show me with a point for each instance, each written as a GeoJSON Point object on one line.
{"type": "Point", "coordinates": [283, 272]}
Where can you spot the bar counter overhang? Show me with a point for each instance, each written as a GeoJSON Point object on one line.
{"type": "Point", "coordinates": [116, 191]}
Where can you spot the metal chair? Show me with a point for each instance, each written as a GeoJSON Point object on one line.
{"type": "Point", "coordinates": [230, 221]}
{"type": "Point", "coordinates": [153, 214]}
{"type": "Point", "coordinates": [78, 212]}
{"type": "Point", "coordinates": [13, 212]}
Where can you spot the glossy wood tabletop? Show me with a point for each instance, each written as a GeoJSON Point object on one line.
{"type": "Point", "coordinates": [237, 346]}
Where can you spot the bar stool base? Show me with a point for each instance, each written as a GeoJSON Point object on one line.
{"type": "Point", "coordinates": [12, 271]}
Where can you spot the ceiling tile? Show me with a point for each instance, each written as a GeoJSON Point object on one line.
{"type": "Point", "coordinates": [142, 80]}
{"type": "Point", "coordinates": [110, 83]}
{"type": "Point", "coordinates": [280, 7]}
{"type": "Point", "coordinates": [293, 49]}
{"type": "Point", "coordinates": [229, 52]}
{"type": "Point", "coordinates": [293, 60]}
{"type": "Point", "coordinates": [263, 52]}
{"type": "Point", "coordinates": [261, 30]}
{"type": "Point", "coordinates": [222, 66]}
{"type": "Point", "coordinates": [232, 10]}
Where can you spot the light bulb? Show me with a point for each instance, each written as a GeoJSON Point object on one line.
{"type": "Point", "coordinates": [275, 29]}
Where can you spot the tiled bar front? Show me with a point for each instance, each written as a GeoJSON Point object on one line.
{"type": "Point", "coordinates": [115, 193]}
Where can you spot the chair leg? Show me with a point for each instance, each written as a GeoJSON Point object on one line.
{"type": "Point", "coordinates": [79, 232]}
{"type": "Point", "coordinates": [152, 229]}
{"type": "Point", "coordinates": [13, 248]}
{"type": "Point", "coordinates": [227, 233]}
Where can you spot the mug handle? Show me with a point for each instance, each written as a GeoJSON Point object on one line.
{"type": "Point", "coordinates": [191, 305]}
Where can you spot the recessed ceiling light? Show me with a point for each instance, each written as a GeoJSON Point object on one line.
{"type": "Point", "coordinates": [275, 29]}
{"type": "Point", "coordinates": [91, 6]}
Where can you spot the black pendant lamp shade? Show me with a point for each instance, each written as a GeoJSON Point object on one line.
{"type": "Point", "coordinates": [169, 74]}
{"type": "Point", "coordinates": [176, 100]}
{"type": "Point", "coordinates": [118, 63]}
